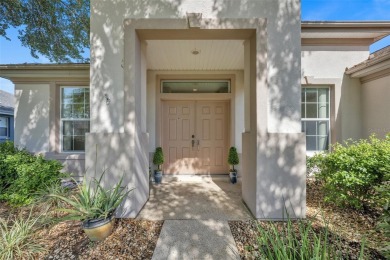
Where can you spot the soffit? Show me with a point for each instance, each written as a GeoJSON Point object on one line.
{"type": "Point", "coordinates": [340, 33]}
{"type": "Point", "coordinates": [177, 55]}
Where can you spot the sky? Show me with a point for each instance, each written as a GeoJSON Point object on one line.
{"type": "Point", "coordinates": [312, 10]}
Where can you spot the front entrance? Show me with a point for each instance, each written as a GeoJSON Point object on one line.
{"type": "Point", "coordinates": [195, 136]}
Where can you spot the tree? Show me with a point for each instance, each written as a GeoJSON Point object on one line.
{"type": "Point", "coordinates": [57, 29]}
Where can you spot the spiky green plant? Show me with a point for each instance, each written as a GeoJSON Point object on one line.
{"type": "Point", "coordinates": [298, 241]}
{"type": "Point", "coordinates": [17, 239]}
{"type": "Point", "coordinates": [93, 201]}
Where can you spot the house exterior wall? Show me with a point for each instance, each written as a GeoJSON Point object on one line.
{"type": "Point", "coordinates": [375, 100]}
{"type": "Point", "coordinates": [32, 109]}
{"type": "Point", "coordinates": [325, 65]}
{"type": "Point", "coordinates": [274, 83]}
{"type": "Point", "coordinates": [37, 118]}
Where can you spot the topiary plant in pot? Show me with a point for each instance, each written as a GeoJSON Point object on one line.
{"type": "Point", "coordinates": [233, 160]}
{"type": "Point", "coordinates": [158, 159]}
{"type": "Point", "coordinates": [95, 206]}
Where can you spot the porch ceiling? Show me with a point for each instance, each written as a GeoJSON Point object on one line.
{"type": "Point", "coordinates": [177, 54]}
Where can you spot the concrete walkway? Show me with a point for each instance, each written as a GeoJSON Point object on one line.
{"type": "Point", "coordinates": [196, 210]}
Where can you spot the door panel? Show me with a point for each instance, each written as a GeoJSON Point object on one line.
{"type": "Point", "coordinates": [212, 123]}
{"type": "Point", "coordinates": [195, 136]}
{"type": "Point", "coordinates": [178, 126]}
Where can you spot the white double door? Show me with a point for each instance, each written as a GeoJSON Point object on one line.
{"type": "Point", "coordinates": [195, 137]}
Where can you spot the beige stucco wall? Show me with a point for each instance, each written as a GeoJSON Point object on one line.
{"type": "Point", "coordinates": [325, 65]}
{"type": "Point", "coordinates": [107, 51]}
{"type": "Point", "coordinates": [274, 83]}
{"type": "Point", "coordinates": [32, 108]}
{"type": "Point", "coordinates": [375, 99]}
{"type": "Point", "coordinates": [37, 118]}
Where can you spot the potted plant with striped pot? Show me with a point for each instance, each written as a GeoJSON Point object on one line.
{"type": "Point", "coordinates": [158, 159]}
{"type": "Point", "coordinates": [233, 160]}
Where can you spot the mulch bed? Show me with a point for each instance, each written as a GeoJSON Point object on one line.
{"type": "Point", "coordinates": [131, 239]}
{"type": "Point", "coordinates": [351, 226]}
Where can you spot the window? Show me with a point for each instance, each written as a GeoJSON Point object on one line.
{"type": "Point", "coordinates": [74, 118]}
{"type": "Point", "coordinates": [195, 86]}
{"type": "Point", "coordinates": [315, 109]}
{"type": "Point", "coordinates": [4, 129]}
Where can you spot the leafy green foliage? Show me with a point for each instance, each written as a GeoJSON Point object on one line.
{"type": "Point", "coordinates": [158, 157]}
{"type": "Point", "coordinates": [24, 174]}
{"type": "Point", "coordinates": [233, 157]}
{"type": "Point", "coordinates": [350, 171]}
{"type": "Point", "coordinates": [382, 199]}
{"type": "Point", "coordinates": [17, 239]}
{"type": "Point", "coordinates": [298, 241]}
{"type": "Point", "coordinates": [57, 29]}
{"type": "Point", "coordinates": [93, 201]}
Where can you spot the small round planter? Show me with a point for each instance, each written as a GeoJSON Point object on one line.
{"type": "Point", "coordinates": [233, 177]}
{"type": "Point", "coordinates": [99, 229]}
{"type": "Point", "coordinates": [157, 177]}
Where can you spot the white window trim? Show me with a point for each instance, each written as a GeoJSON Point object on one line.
{"type": "Point", "coordinates": [70, 119]}
{"type": "Point", "coordinates": [312, 152]}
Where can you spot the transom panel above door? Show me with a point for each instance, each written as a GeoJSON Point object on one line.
{"type": "Point", "coordinates": [195, 136]}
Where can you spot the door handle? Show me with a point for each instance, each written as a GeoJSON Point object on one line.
{"type": "Point", "coordinates": [198, 143]}
{"type": "Point", "coordinates": [193, 143]}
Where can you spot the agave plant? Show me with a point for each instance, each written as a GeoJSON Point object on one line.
{"type": "Point", "coordinates": [93, 201]}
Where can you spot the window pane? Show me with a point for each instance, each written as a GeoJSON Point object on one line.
{"type": "Point", "coordinates": [303, 110]}
{"type": "Point", "coordinates": [303, 126]}
{"type": "Point", "coordinates": [303, 95]}
{"type": "Point", "coordinates": [67, 128]}
{"type": "Point", "coordinates": [311, 110]}
{"type": "Point", "coordinates": [311, 95]}
{"type": "Point", "coordinates": [323, 128]}
{"type": "Point", "coordinates": [322, 143]}
{"type": "Point", "coordinates": [86, 111]}
{"type": "Point", "coordinates": [78, 111]}
{"type": "Point", "coordinates": [79, 143]}
{"type": "Point", "coordinates": [66, 111]}
{"type": "Point", "coordinates": [311, 127]}
{"type": "Point", "coordinates": [3, 122]}
{"type": "Point", "coordinates": [67, 96]}
{"type": "Point", "coordinates": [3, 131]}
{"type": "Point", "coordinates": [323, 110]}
{"type": "Point", "coordinates": [196, 86]}
{"type": "Point", "coordinates": [86, 97]}
{"type": "Point", "coordinates": [67, 143]}
{"type": "Point", "coordinates": [78, 95]}
{"type": "Point", "coordinates": [311, 143]}
{"type": "Point", "coordinates": [323, 95]}
{"type": "Point", "coordinates": [81, 127]}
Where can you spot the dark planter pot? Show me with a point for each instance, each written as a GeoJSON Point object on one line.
{"type": "Point", "coordinates": [157, 177]}
{"type": "Point", "coordinates": [233, 176]}
{"type": "Point", "coordinates": [99, 229]}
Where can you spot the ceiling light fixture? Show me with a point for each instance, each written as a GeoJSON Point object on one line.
{"type": "Point", "coordinates": [195, 51]}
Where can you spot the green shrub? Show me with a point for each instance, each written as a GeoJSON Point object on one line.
{"type": "Point", "coordinates": [8, 174]}
{"type": "Point", "coordinates": [350, 171]}
{"type": "Point", "coordinates": [158, 157]}
{"type": "Point", "coordinates": [24, 174]}
{"type": "Point", "coordinates": [233, 157]}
